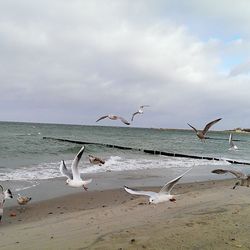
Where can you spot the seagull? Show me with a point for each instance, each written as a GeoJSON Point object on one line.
{"type": "Point", "coordinates": [232, 145]}
{"type": "Point", "coordinates": [114, 117]}
{"type": "Point", "coordinates": [201, 134]}
{"type": "Point", "coordinates": [139, 111]}
{"type": "Point", "coordinates": [163, 195]}
{"type": "Point", "coordinates": [96, 160]}
{"type": "Point", "coordinates": [74, 179]}
{"type": "Point", "coordinates": [244, 180]}
{"type": "Point", "coordinates": [4, 195]}
{"type": "Point", "coordinates": [23, 200]}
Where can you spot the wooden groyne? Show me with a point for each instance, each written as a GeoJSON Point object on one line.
{"type": "Point", "coordinates": [149, 151]}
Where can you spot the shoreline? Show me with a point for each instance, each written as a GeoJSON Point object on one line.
{"type": "Point", "coordinates": [41, 190]}
{"type": "Point", "coordinates": [207, 215]}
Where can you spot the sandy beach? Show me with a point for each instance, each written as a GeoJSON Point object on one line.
{"type": "Point", "coordinates": [207, 215]}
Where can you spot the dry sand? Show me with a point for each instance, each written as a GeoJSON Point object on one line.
{"type": "Point", "coordinates": [207, 215]}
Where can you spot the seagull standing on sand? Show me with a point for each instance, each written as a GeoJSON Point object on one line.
{"type": "Point", "coordinates": [139, 111]}
{"type": "Point", "coordinates": [96, 160]}
{"type": "Point", "coordinates": [163, 195]}
{"type": "Point", "coordinates": [201, 134]}
{"type": "Point", "coordinates": [4, 195]}
{"type": "Point", "coordinates": [244, 180]}
{"type": "Point", "coordinates": [74, 178]}
{"type": "Point", "coordinates": [114, 117]}
{"type": "Point", "coordinates": [232, 145]}
{"type": "Point", "coordinates": [23, 200]}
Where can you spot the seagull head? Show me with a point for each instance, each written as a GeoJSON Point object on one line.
{"type": "Point", "coordinates": [153, 200]}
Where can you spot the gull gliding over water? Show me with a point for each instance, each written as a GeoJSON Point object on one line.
{"type": "Point", "coordinates": [4, 195]}
{"type": "Point", "coordinates": [201, 134]}
{"type": "Point", "coordinates": [244, 180]}
{"type": "Point", "coordinates": [74, 178]}
{"type": "Point", "coordinates": [114, 117]}
{"type": "Point", "coordinates": [163, 195]}
{"type": "Point", "coordinates": [139, 111]}
{"type": "Point", "coordinates": [232, 145]}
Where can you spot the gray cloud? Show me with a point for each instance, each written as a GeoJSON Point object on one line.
{"type": "Point", "coordinates": [243, 68]}
{"type": "Point", "coordinates": [71, 61]}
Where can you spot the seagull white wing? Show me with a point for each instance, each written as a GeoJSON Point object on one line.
{"type": "Point", "coordinates": [168, 187]}
{"type": "Point", "coordinates": [124, 120]}
{"type": "Point", "coordinates": [145, 193]}
{"type": "Point", "coordinates": [65, 171]}
{"type": "Point", "coordinates": [7, 194]}
{"type": "Point", "coordinates": [74, 166]}
{"type": "Point", "coordinates": [231, 141]}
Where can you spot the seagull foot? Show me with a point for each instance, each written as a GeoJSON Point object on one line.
{"type": "Point", "coordinates": [85, 188]}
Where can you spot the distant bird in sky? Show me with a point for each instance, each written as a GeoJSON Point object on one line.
{"type": "Point", "coordinates": [23, 200]}
{"type": "Point", "coordinates": [139, 111]}
{"type": "Point", "coordinates": [114, 117]}
{"type": "Point", "coordinates": [244, 180]}
{"type": "Point", "coordinates": [3, 196]}
{"type": "Point", "coordinates": [163, 195]}
{"type": "Point", "coordinates": [201, 134]}
{"type": "Point", "coordinates": [231, 143]}
{"type": "Point", "coordinates": [74, 178]}
{"type": "Point", "coordinates": [96, 160]}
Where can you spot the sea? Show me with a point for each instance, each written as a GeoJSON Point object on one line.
{"type": "Point", "coordinates": [29, 158]}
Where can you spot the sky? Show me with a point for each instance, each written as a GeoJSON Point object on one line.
{"type": "Point", "coordinates": [64, 61]}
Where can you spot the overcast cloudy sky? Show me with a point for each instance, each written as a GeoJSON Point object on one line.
{"type": "Point", "coordinates": [66, 61]}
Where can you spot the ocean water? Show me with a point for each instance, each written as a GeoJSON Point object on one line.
{"type": "Point", "coordinates": [27, 158]}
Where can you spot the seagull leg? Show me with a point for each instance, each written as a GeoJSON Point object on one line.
{"type": "Point", "coordinates": [236, 184]}
{"type": "Point", "coordinates": [85, 188]}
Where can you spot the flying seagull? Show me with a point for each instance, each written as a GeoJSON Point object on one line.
{"type": "Point", "coordinates": [201, 134]}
{"type": "Point", "coordinates": [4, 195]}
{"type": "Point", "coordinates": [114, 117]}
{"type": "Point", "coordinates": [243, 179]}
{"type": "Point", "coordinates": [74, 179]}
{"type": "Point", "coordinates": [163, 195]}
{"type": "Point", "coordinates": [96, 160]}
{"type": "Point", "coordinates": [232, 145]}
{"type": "Point", "coordinates": [139, 111]}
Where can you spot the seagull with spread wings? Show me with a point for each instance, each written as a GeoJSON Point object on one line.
{"type": "Point", "coordinates": [74, 178]}
{"type": "Point", "coordinates": [139, 111]}
{"type": "Point", "coordinates": [201, 134]}
{"type": "Point", "coordinates": [243, 179]}
{"type": "Point", "coordinates": [162, 196]}
{"type": "Point", "coordinates": [114, 117]}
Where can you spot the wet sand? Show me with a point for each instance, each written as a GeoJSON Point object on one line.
{"type": "Point", "coordinates": [207, 215]}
